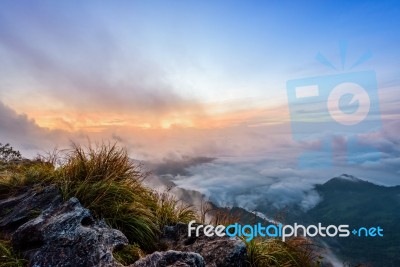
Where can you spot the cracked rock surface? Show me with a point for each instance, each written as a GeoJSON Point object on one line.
{"type": "Point", "coordinates": [68, 235]}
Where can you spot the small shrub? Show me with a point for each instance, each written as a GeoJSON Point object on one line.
{"type": "Point", "coordinates": [8, 153]}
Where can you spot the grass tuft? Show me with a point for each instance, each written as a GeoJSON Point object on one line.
{"type": "Point", "coordinates": [170, 211]}
{"type": "Point", "coordinates": [108, 183]}
{"type": "Point", "coordinates": [274, 252]}
{"type": "Point", "coordinates": [19, 175]}
{"type": "Point", "coordinates": [128, 254]}
{"type": "Point", "coordinates": [8, 258]}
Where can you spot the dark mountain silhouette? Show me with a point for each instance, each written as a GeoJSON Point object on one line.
{"type": "Point", "coordinates": [358, 203]}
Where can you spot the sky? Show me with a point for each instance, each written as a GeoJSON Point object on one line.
{"type": "Point", "coordinates": [172, 80]}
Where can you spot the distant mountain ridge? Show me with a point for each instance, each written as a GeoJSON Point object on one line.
{"type": "Point", "coordinates": [346, 181]}
{"type": "Point", "coordinates": [347, 199]}
{"type": "Point", "coordinates": [347, 177]}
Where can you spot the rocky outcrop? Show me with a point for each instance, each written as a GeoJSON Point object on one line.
{"type": "Point", "coordinates": [48, 232]}
{"type": "Point", "coordinates": [171, 258]}
{"type": "Point", "coordinates": [216, 251]}
{"type": "Point", "coordinates": [68, 236]}
{"type": "Point", "coordinates": [22, 207]}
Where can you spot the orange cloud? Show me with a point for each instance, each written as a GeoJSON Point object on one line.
{"type": "Point", "coordinates": [96, 121]}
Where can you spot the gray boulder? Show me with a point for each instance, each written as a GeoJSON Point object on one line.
{"type": "Point", "coordinates": [26, 205]}
{"type": "Point", "coordinates": [68, 236]}
{"type": "Point", "coordinates": [216, 251]}
{"type": "Point", "coordinates": [170, 258]}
